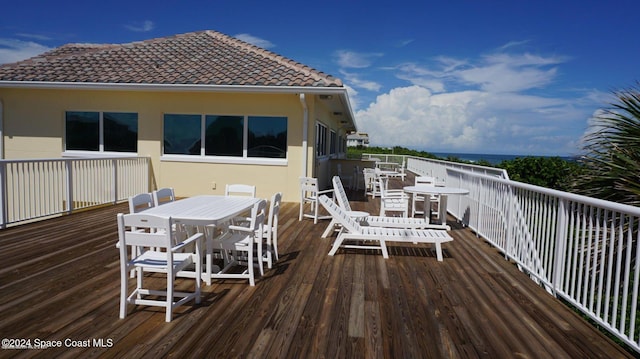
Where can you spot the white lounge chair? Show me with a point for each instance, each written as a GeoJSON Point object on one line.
{"type": "Point", "coordinates": [375, 221]}
{"type": "Point", "coordinates": [352, 231]}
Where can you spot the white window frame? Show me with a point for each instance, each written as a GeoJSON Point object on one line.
{"type": "Point", "coordinates": [202, 158]}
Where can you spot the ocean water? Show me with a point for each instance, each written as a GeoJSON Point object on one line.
{"type": "Point", "coordinates": [491, 158]}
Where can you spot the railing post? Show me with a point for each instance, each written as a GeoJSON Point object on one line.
{"type": "Point", "coordinates": [114, 189]}
{"type": "Point", "coordinates": [510, 232]}
{"type": "Point", "coordinates": [3, 195]}
{"type": "Point", "coordinates": [479, 210]}
{"type": "Point", "coordinates": [561, 246]}
{"type": "Point", "coordinates": [69, 167]}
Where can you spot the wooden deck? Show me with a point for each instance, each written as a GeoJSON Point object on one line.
{"type": "Point", "coordinates": [59, 280]}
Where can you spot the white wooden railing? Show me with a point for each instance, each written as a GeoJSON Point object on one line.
{"type": "Point", "coordinates": [433, 167]}
{"type": "Point", "coordinates": [583, 250]}
{"type": "Point", "coordinates": [33, 189]}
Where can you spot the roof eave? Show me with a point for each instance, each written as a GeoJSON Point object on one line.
{"type": "Point", "coordinates": [171, 87]}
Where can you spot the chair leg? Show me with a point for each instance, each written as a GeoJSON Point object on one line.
{"type": "Point", "coordinates": [260, 259]}
{"type": "Point", "coordinates": [438, 251]}
{"type": "Point", "coordinates": [274, 234]}
{"type": "Point", "coordinates": [252, 281]}
{"type": "Point", "coordinates": [336, 244]}
{"type": "Point", "coordinates": [315, 212]}
{"type": "Point", "coordinates": [301, 209]}
{"type": "Point", "coordinates": [123, 295]}
{"type": "Point", "coordinates": [170, 278]}
{"type": "Point", "coordinates": [329, 228]}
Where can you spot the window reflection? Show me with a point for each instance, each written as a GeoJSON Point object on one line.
{"type": "Point", "coordinates": [267, 137]}
{"type": "Point", "coordinates": [120, 132]}
{"type": "Point", "coordinates": [182, 134]}
{"type": "Point", "coordinates": [82, 131]}
{"type": "Point", "coordinates": [223, 135]}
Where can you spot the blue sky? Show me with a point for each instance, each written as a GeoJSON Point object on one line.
{"type": "Point", "coordinates": [503, 77]}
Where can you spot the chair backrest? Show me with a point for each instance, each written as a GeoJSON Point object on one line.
{"type": "Point", "coordinates": [257, 216]}
{"type": "Point", "coordinates": [131, 231]}
{"type": "Point", "coordinates": [308, 186]}
{"type": "Point", "coordinates": [163, 195]}
{"type": "Point", "coordinates": [340, 215]}
{"type": "Point", "coordinates": [140, 202]}
{"type": "Point", "coordinates": [274, 211]}
{"type": "Point", "coordinates": [425, 180]}
{"type": "Point", "coordinates": [240, 190]}
{"type": "Point", "coordinates": [341, 195]}
{"type": "Point", "coordinates": [383, 182]}
{"type": "Point", "coordinates": [369, 177]}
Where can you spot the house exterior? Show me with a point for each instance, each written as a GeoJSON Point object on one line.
{"type": "Point", "coordinates": [358, 139]}
{"type": "Point", "coordinates": [206, 108]}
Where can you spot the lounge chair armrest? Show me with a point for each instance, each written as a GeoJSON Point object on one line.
{"type": "Point", "coordinates": [325, 191]}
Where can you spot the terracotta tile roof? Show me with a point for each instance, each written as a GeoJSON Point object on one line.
{"type": "Point", "coordinates": [196, 58]}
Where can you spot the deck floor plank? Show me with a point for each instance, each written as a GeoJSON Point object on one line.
{"type": "Point", "coordinates": [60, 280]}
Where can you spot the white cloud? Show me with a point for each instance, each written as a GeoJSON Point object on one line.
{"type": "Point", "coordinates": [12, 50]}
{"type": "Point", "coordinates": [357, 60]}
{"type": "Point", "coordinates": [34, 36]}
{"type": "Point", "coordinates": [355, 80]}
{"type": "Point", "coordinates": [470, 121]}
{"type": "Point", "coordinates": [483, 105]}
{"type": "Point", "coordinates": [254, 40]}
{"type": "Point", "coordinates": [354, 99]}
{"type": "Point", "coordinates": [144, 26]}
{"type": "Point", "coordinates": [404, 43]}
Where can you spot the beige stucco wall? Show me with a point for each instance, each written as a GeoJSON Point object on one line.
{"type": "Point", "coordinates": [33, 127]}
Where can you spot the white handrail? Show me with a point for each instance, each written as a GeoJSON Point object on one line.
{"type": "Point", "coordinates": [37, 188]}
{"type": "Point", "coordinates": [582, 249]}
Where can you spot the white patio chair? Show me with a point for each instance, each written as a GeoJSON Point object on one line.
{"type": "Point", "coordinates": [399, 171]}
{"type": "Point", "coordinates": [140, 202]}
{"type": "Point", "coordinates": [394, 201]}
{"type": "Point", "coordinates": [371, 185]}
{"type": "Point", "coordinates": [366, 237]}
{"type": "Point", "coordinates": [270, 231]}
{"type": "Point", "coordinates": [417, 203]}
{"type": "Point", "coordinates": [309, 192]}
{"type": "Point", "coordinates": [240, 190]}
{"type": "Point", "coordinates": [163, 195]}
{"type": "Point", "coordinates": [240, 243]}
{"type": "Point", "coordinates": [157, 233]}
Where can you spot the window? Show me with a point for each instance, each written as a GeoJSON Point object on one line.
{"type": "Point", "coordinates": [182, 134]}
{"type": "Point", "coordinates": [333, 144]}
{"type": "Point", "coordinates": [267, 137]}
{"type": "Point", "coordinates": [101, 131]}
{"type": "Point", "coordinates": [321, 140]}
{"type": "Point", "coordinates": [225, 136]}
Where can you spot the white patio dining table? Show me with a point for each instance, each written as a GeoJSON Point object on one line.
{"type": "Point", "coordinates": [205, 210]}
{"type": "Point", "coordinates": [443, 192]}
